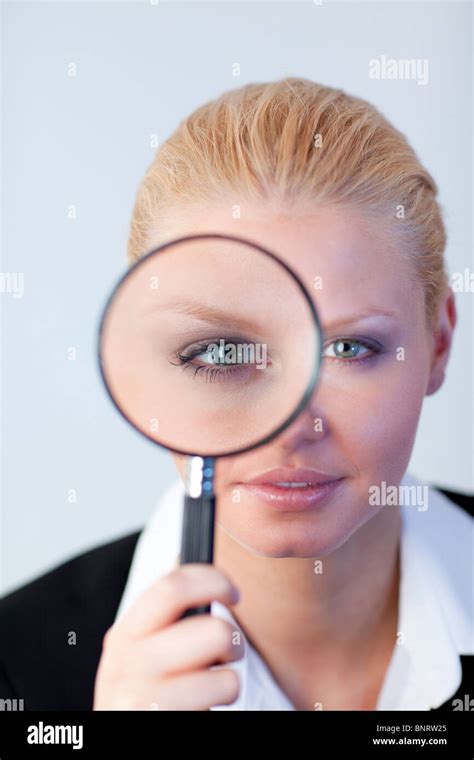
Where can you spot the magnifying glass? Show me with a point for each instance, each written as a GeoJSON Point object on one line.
{"type": "Point", "coordinates": [210, 345]}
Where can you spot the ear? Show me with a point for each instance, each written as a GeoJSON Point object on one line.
{"type": "Point", "coordinates": [442, 336]}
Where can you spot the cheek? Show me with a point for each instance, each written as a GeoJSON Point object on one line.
{"type": "Point", "coordinates": [372, 416]}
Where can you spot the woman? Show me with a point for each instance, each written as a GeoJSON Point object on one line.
{"type": "Point", "coordinates": [343, 601]}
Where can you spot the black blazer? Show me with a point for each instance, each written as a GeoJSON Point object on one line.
{"type": "Point", "coordinates": [81, 596]}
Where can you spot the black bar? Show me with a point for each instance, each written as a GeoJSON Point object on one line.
{"type": "Point", "coordinates": [325, 734]}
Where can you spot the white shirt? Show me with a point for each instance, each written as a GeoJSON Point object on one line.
{"type": "Point", "coordinates": [435, 603]}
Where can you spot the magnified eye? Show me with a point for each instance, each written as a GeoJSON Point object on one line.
{"type": "Point", "coordinates": [211, 356]}
{"type": "Point", "coordinates": [221, 359]}
{"type": "Point", "coordinates": [229, 353]}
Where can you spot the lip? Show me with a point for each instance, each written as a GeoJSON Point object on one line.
{"type": "Point", "coordinates": [292, 475]}
{"type": "Point", "coordinates": [293, 499]}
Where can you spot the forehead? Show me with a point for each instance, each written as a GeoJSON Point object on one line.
{"type": "Point", "coordinates": [347, 262]}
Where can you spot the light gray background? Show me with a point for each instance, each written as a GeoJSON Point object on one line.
{"type": "Point", "coordinates": [85, 141]}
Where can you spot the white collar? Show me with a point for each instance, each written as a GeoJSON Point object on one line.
{"type": "Point", "coordinates": [435, 605]}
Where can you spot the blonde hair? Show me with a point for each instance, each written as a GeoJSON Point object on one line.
{"type": "Point", "coordinates": [300, 142]}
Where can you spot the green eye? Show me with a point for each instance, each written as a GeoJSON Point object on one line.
{"type": "Point", "coordinates": [347, 349]}
{"type": "Point", "coordinates": [223, 359]}
{"type": "Point", "coordinates": [350, 349]}
{"type": "Point", "coordinates": [225, 353]}
{"type": "Point", "coordinates": [210, 357]}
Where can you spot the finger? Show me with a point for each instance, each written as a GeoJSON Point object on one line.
{"type": "Point", "coordinates": [194, 643]}
{"type": "Point", "coordinates": [199, 691]}
{"type": "Point", "coordinates": [166, 600]}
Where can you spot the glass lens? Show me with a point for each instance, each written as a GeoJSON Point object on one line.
{"type": "Point", "coordinates": [209, 345]}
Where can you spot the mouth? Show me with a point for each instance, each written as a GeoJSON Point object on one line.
{"type": "Point", "coordinates": [293, 490]}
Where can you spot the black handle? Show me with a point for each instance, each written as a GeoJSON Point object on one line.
{"type": "Point", "coordinates": [197, 542]}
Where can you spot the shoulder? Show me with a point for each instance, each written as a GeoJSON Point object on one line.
{"type": "Point", "coordinates": [52, 627]}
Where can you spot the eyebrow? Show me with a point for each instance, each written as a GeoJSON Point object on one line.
{"type": "Point", "coordinates": [210, 314]}
{"type": "Point", "coordinates": [360, 317]}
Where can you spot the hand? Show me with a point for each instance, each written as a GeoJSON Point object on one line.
{"type": "Point", "coordinates": [152, 659]}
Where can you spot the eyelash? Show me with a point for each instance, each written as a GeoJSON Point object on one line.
{"type": "Point", "coordinates": [374, 348]}
{"type": "Point", "coordinates": [211, 373]}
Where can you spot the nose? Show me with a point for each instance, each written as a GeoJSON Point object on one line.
{"type": "Point", "coordinates": [308, 428]}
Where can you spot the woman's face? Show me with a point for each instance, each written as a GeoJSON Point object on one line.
{"type": "Point", "coordinates": [360, 425]}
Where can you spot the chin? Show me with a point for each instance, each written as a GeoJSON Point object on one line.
{"type": "Point", "coordinates": [297, 535]}
{"type": "Point", "coordinates": [290, 541]}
